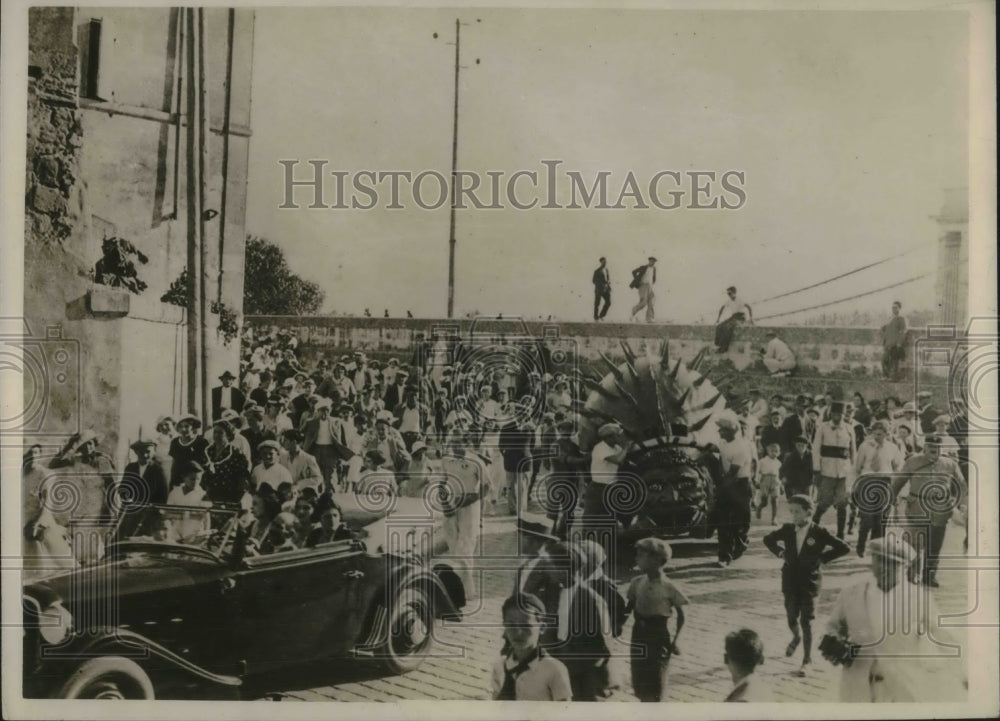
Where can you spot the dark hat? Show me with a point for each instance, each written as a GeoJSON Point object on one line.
{"type": "Point", "coordinates": [187, 467]}
{"type": "Point", "coordinates": [731, 288]}
{"type": "Point", "coordinates": [295, 435]}
{"type": "Point", "coordinates": [802, 500]}
{"type": "Point", "coordinates": [932, 438]}
{"type": "Point", "coordinates": [524, 602]}
{"type": "Point", "coordinates": [225, 375]}
{"type": "Point", "coordinates": [837, 406]}
{"type": "Point", "coordinates": [375, 456]}
{"type": "Point", "coordinates": [275, 399]}
{"type": "Point", "coordinates": [801, 399]}
{"type": "Point", "coordinates": [802, 439]}
{"type": "Point", "coordinates": [142, 443]}
{"type": "Point", "coordinates": [652, 259]}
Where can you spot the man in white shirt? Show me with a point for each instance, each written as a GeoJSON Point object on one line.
{"type": "Point", "coordinates": [731, 316]}
{"type": "Point", "coordinates": [301, 465]}
{"type": "Point", "coordinates": [604, 461]}
{"type": "Point", "coordinates": [878, 459]}
{"type": "Point", "coordinates": [778, 357]}
{"type": "Point", "coordinates": [269, 471]}
{"type": "Point", "coordinates": [643, 279]}
{"type": "Point", "coordinates": [735, 492]}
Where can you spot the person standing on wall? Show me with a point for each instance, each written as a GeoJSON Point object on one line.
{"type": "Point", "coordinates": [602, 290]}
{"type": "Point", "coordinates": [643, 280]}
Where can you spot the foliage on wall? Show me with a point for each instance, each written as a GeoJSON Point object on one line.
{"type": "Point", "coordinates": [117, 269]}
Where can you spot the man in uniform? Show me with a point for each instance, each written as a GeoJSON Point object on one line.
{"type": "Point", "coordinates": [936, 489]}
{"type": "Point", "coordinates": [833, 464]}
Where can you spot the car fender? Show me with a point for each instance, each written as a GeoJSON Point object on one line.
{"type": "Point", "coordinates": [115, 641]}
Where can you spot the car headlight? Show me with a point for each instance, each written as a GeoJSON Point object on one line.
{"type": "Point", "coordinates": [55, 624]}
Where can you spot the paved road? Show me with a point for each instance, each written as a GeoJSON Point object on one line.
{"type": "Point", "coordinates": [745, 594]}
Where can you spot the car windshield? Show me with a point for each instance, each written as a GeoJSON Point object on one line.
{"type": "Point", "coordinates": [208, 529]}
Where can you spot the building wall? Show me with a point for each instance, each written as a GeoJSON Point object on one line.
{"type": "Point", "coordinates": [108, 167]}
{"type": "Point", "coordinates": [825, 349]}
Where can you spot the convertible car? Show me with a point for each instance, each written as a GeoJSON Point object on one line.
{"type": "Point", "coordinates": [183, 606]}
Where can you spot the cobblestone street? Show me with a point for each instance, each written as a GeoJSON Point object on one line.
{"type": "Point", "coordinates": [745, 594]}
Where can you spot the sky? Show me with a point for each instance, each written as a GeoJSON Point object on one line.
{"type": "Point", "coordinates": [847, 127]}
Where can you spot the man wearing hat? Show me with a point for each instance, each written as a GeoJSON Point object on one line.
{"type": "Point", "coordinates": [732, 503]}
{"type": "Point", "coordinates": [833, 465]}
{"type": "Point", "coordinates": [326, 440]}
{"type": "Point", "coordinates": [269, 471]}
{"type": "Point", "coordinates": [394, 393]}
{"type": "Point", "coordinates": [387, 440]}
{"type": "Point", "coordinates": [235, 422]}
{"type": "Point", "coordinates": [949, 446]}
{"type": "Point", "coordinates": [643, 280]}
{"type": "Point", "coordinates": [936, 489]}
{"type": "Point", "coordinates": [143, 481]}
{"type": "Point", "coordinates": [226, 396]}
{"type": "Point", "coordinates": [926, 412]}
{"type": "Point", "coordinates": [794, 424]}
{"type": "Point", "coordinates": [725, 328]}
{"type": "Point", "coordinates": [301, 465]}
{"type": "Point", "coordinates": [878, 461]}
{"type": "Point", "coordinates": [805, 547]}
{"type": "Point", "coordinates": [797, 469]}
{"type": "Point", "coordinates": [889, 644]}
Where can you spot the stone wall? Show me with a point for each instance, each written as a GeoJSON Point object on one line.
{"type": "Point", "coordinates": [825, 349]}
{"type": "Point", "coordinates": [98, 168]}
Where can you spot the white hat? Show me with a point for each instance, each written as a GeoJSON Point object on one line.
{"type": "Point", "coordinates": [727, 419]}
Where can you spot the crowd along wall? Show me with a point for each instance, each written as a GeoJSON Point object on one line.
{"type": "Point", "coordinates": [851, 355]}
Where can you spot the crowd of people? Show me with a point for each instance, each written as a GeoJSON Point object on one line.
{"type": "Point", "coordinates": [288, 436]}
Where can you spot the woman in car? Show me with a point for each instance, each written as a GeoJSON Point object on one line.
{"type": "Point", "coordinates": [264, 508]}
{"type": "Point", "coordinates": [331, 528]}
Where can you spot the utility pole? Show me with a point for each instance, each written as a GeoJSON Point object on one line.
{"type": "Point", "coordinates": [454, 190]}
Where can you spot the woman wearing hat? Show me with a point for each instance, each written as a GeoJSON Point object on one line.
{"type": "Point", "coordinates": [188, 445]}
{"type": "Point", "coordinates": [227, 474]}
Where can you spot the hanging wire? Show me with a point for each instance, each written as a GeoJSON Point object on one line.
{"type": "Point", "coordinates": [844, 300]}
{"type": "Point", "coordinates": [842, 275]}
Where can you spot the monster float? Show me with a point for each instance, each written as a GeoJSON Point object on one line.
{"type": "Point", "coordinates": [666, 483]}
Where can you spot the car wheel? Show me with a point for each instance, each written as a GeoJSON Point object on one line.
{"type": "Point", "coordinates": [109, 678]}
{"type": "Point", "coordinates": [411, 630]}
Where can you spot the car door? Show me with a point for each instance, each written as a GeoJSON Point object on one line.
{"type": "Point", "coordinates": [294, 606]}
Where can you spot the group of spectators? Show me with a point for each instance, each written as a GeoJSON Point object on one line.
{"type": "Point", "coordinates": [287, 437]}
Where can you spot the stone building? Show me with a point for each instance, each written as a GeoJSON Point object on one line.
{"type": "Point", "coordinates": [113, 151]}
{"type": "Point", "coordinates": [951, 288]}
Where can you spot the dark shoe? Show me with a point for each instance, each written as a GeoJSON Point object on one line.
{"type": "Point", "coordinates": [932, 582]}
{"type": "Point", "coordinates": [792, 645]}
{"type": "Point", "coordinates": [803, 672]}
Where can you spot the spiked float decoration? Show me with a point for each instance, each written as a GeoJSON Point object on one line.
{"type": "Point", "coordinates": [667, 480]}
